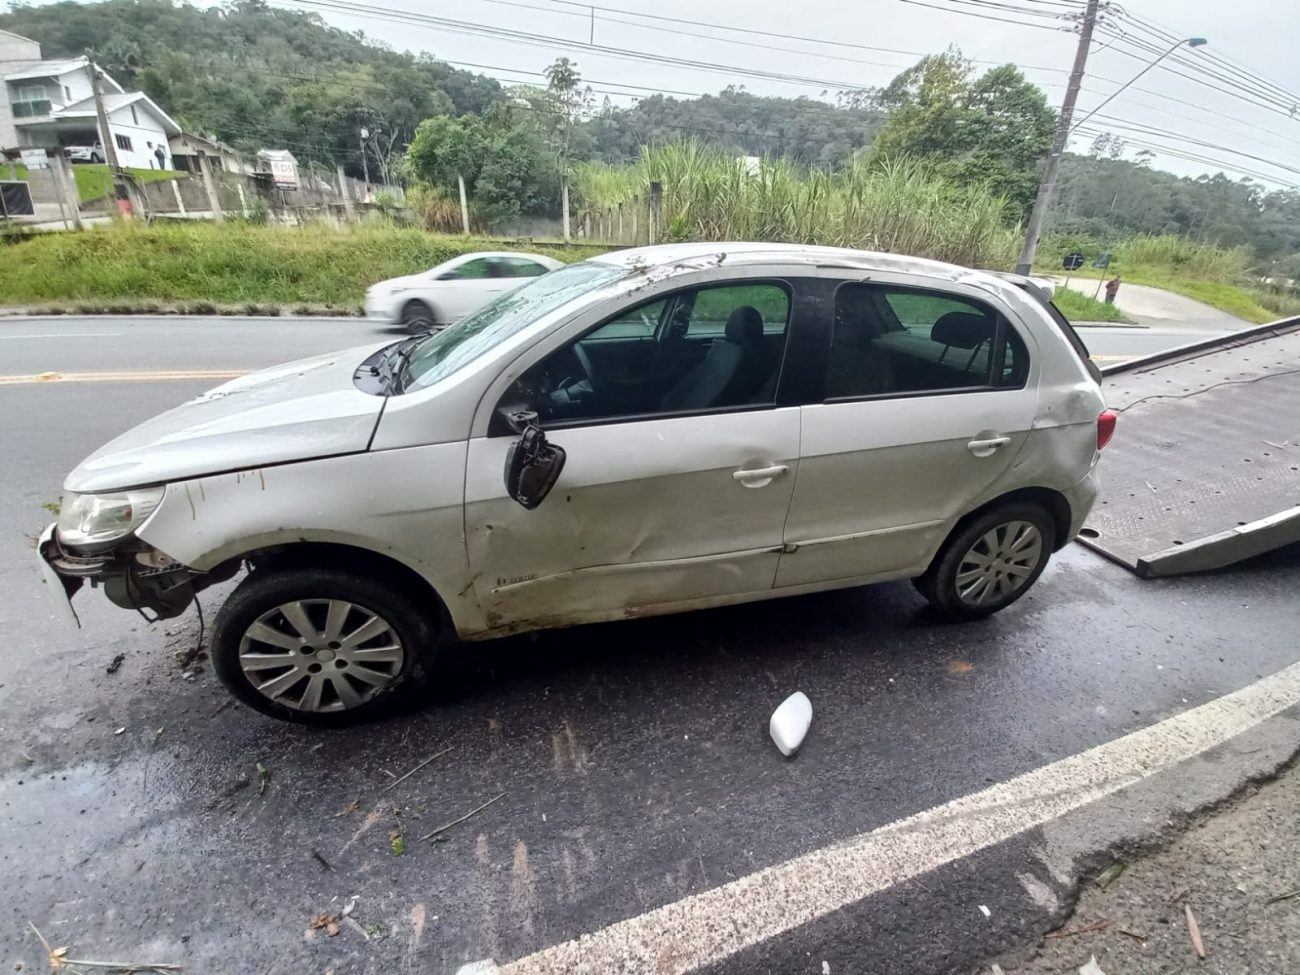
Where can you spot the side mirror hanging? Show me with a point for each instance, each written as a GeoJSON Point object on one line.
{"type": "Point", "coordinates": [533, 465]}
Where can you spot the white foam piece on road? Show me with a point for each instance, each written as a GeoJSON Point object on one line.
{"type": "Point", "coordinates": [701, 930]}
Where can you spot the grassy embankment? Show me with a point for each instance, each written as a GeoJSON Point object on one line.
{"type": "Point", "coordinates": [93, 180]}
{"type": "Point", "coordinates": [203, 268]}
{"type": "Point", "coordinates": [1217, 276]}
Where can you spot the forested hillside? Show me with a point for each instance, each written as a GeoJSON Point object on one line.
{"type": "Point", "coordinates": [259, 76]}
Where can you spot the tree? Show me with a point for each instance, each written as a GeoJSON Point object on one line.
{"type": "Point", "coordinates": [993, 128]}
{"type": "Point", "coordinates": [445, 148]}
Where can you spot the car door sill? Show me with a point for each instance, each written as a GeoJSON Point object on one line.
{"type": "Point", "coordinates": [623, 568]}
{"type": "Point", "coordinates": [794, 546]}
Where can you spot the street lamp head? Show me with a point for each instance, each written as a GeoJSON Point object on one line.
{"type": "Point", "coordinates": [1197, 42]}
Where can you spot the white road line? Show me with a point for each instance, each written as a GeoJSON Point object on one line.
{"type": "Point", "coordinates": [65, 335]}
{"type": "Point", "coordinates": [701, 930]}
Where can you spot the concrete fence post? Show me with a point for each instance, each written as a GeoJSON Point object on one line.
{"type": "Point", "coordinates": [210, 185]}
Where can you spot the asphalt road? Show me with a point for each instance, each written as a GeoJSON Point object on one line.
{"type": "Point", "coordinates": [631, 759]}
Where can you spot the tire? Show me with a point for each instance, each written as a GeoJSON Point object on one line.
{"type": "Point", "coordinates": [417, 317]}
{"type": "Point", "coordinates": [94, 157]}
{"type": "Point", "coordinates": [1023, 531]}
{"type": "Point", "coordinates": [253, 628]}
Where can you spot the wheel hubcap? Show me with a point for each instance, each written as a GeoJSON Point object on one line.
{"type": "Point", "coordinates": [999, 563]}
{"type": "Point", "coordinates": [321, 654]}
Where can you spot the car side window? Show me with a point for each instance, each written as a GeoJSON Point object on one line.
{"type": "Point", "coordinates": [521, 267]}
{"type": "Point", "coordinates": [698, 350]}
{"type": "Point", "coordinates": [894, 341]}
{"type": "Point", "coordinates": [477, 268]}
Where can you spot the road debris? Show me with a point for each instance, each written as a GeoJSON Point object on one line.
{"type": "Point", "coordinates": [399, 781]}
{"type": "Point", "coordinates": [326, 922]}
{"type": "Point", "coordinates": [1111, 874]}
{"type": "Point", "coordinates": [352, 923]}
{"type": "Point", "coordinates": [1091, 968]}
{"type": "Point", "coordinates": [349, 809]}
{"type": "Point", "coordinates": [396, 842]}
{"type": "Point", "coordinates": [985, 911]}
{"type": "Point", "coordinates": [324, 864]}
{"type": "Point", "coordinates": [350, 906]}
{"type": "Point", "coordinates": [118, 731]}
{"type": "Point", "coordinates": [790, 723]}
{"type": "Point", "coordinates": [116, 664]}
{"type": "Point", "coordinates": [263, 778]}
{"type": "Point", "coordinates": [1086, 929]}
{"type": "Point", "coordinates": [457, 822]}
{"type": "Point", "coordinates": [1141, 939]}
{"type": "Point", "coordinates": [1194, 930]}
{"type": "Point", "coordinates": [58, 960]}
{"type": "Point", "coordinates": [1279, 898]}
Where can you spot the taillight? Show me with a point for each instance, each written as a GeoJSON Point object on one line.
{"type": "Point", "coordinates": [1105, 427]}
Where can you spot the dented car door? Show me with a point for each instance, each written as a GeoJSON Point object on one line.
{"type": "Point", "coordinates": [680, 504]}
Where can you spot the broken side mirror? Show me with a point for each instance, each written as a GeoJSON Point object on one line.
{"type": "Point", "coordinates": [533, 465]}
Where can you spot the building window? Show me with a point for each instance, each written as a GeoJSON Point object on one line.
{"type": "Point", "coordinates": [123, 142]}
{"type": "Point", "coordinates": [135, 119]}
{"type": "Point", "coordinates": [33, 101]}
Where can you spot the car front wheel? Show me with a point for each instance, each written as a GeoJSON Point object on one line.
{"type": "Point", "coordinates": [990, 562]}
{"type": "Point", "coordinates": [321, 646]}
{"type": "Point", "coordinates": [417, 317]}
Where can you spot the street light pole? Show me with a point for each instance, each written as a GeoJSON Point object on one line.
{"type": "Point", "coordinates": [1189, 41]}
{"type": "Point", "coordinates": [1047, 185]}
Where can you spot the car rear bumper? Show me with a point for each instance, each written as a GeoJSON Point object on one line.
{"type": "Point", "coordinates": [1081, 497]}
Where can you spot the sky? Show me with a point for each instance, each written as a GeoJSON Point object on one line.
{"type": "Point", "coordinates": [1231, 105]}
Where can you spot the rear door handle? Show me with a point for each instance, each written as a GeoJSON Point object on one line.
{"type": "Point", "coordinates": [752, 476]}
{"type": "Point", "coordinates": [983, 448]}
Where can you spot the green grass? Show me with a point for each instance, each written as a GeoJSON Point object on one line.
{"type": "Point", "coordinates": [230, 264]}
{"type": "Point", "coordinates": [1084, 308]}
{"type": "Point", "coordinates": [1217, 276]}
{"type": "Point", "coordinates": [902, 207]}
{"type": "Point", "coordinates": [1226, 297]}
{"type": "Point", "coordinates": [94, 181]}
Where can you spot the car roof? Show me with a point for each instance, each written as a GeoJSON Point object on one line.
{"type": "Point", "coordinates": [740, 253]}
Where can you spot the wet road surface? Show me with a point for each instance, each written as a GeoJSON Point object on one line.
{"type": "Point", "coordinates": [632, 758]}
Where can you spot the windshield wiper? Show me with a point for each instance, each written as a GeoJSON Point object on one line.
{"type": "Point", "coordinates": [396, 363]}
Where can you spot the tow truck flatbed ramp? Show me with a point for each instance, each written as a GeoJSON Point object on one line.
{"type": "Point", "coordinates": [1204, 469]}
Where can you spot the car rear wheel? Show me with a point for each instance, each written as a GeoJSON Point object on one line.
{"type": "Point", "coordinates": [417, 317]}
{"type": "Point", "coordinates": [990, 562]}
{"type": "Point", "coordinates": [94, 157]}
{"type": "Point", "coordinates": [321, 646]}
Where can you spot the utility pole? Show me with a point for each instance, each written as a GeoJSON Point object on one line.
{"type": "Point", "coordinates": [365, 165]}
{"type": "Point", "coordinates": [106, 139]}
{"type": "Point", "coordinates": [1047, 185]}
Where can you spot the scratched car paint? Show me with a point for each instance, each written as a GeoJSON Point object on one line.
{"type": "Point", "coordinates": [651, 431]}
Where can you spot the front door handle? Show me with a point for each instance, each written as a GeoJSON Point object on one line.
{"type": "Point", "coordinates": [759, 476]}
{"type": "Point", "coordinates": [983, 448]}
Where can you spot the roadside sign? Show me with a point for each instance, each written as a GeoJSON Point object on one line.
{"type": "Point", "coordinates": [1073, 261]}
{"type": "Point", "coordinates": [1102, 261]}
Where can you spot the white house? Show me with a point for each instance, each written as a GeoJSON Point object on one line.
{"type": "Point", "coordinates": [51, 103]}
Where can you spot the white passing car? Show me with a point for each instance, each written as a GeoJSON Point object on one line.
{"type": "Point", "coordinates": [654, 430]}
{"type": "Point", "coordinates": [86, 154]}
{"type": "Point", "coordinates": [452, 290]}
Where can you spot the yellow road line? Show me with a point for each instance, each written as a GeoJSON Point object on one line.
{"type": "Point", "coordinates": [172, 375]}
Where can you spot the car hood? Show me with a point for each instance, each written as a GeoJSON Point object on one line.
{"type": "Point", "coordinates": [296, 411]}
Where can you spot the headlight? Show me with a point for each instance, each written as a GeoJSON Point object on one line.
{"type": "Point", "coordinates": [87, 520]}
